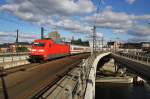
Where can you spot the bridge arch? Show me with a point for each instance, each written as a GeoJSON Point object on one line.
{"type": "Point", "coordinates": [90, 90]}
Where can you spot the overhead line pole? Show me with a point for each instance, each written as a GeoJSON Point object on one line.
{"type": "Point", "coordinates": [94, 39]}
{"type": "Point", "coordinates": [102, 43]}
{"type": "Point", "coordinates": [42, 32]}
{"type": "Point", "coordinates": [94, 29]}
{"type": "Point", "coordinates": [17, 36]}
{"type": "Point", "coordinates": [17, 39]}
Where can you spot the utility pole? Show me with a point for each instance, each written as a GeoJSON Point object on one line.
{"type": "Point", "coordinates": [102, 43]}
{"type": "Point", "coordinates": [17, 36]}
{"type": "Point", "coordinates": [42, 32]}
{"type": "Point", "coordinates": [99, 41]}
{"type": "Point", "coordinates": [94, 39]}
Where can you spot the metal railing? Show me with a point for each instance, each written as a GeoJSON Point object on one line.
{"type": "Point", "coordinates": [13, 58]}
{"type": "Point", "coordinates": [13, 54]}
{"type": "Point", "coordinates": [78, 90]}
{"type": "Point", "coordinates": [72, 85]}
{"type": "Point", "coordinates": [136, 57]}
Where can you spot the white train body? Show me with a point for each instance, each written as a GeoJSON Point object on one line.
{"type": "Point", "coordinates": [79, 49]}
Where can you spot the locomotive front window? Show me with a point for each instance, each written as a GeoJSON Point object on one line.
{"type": "Point", "coordinates": [38, 44]}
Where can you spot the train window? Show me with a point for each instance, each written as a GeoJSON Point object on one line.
{"type": "Point", "coordinates": [39, 44]}
{"type": "Point", "coordinates": [76, 48]}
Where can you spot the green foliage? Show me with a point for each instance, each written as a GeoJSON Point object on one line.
{"type": "Point", "coordinates": [80, 42]}
{"type": "Point", "coordinates": [22, 49]}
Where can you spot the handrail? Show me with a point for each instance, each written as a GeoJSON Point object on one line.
{"type": "Point", "coordinates": [139, 58]}
{"type": "Point", "coordinates": [13, 54]}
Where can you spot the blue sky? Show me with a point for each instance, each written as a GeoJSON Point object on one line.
{"type": "Point", "coordinates": [124, 19]}
{"type": "Point", "coordinates": [139, 7]}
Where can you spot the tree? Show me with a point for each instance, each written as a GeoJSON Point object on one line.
{"type": "Point", "coordinates": [22, 49]}
{"type": "Point", "coordinates": [80, 42]}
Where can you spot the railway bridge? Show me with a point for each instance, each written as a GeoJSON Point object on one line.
{"type": "Point", "coordinates": [138, 64]}
{"type": "Point", "coordinates": [71, 77]}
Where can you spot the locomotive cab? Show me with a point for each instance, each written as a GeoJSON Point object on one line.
{"type": "Point", "coordinates": [47, 49]}
{"type": "Point", "coordinates": [39, 50]}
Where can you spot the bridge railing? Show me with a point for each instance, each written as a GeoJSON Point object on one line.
{"type": "Point", "coordinates": [11, 57]}
{"type": "Point", "coordinates": [10, 60]}
{"type": "Point", "coordinates": [72, 86]}
{"type": "Point", "coordinates": [78, 90]}
{"type": "Point", "coordinates": [8, 54]}
{"type": "Point", "coordinates": [137, 57]}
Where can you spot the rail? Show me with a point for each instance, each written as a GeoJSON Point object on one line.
{"type": "Point", "coordinates": [81, 78]}
{"type": "Point", "coordinates": [71, 85]}
{"type": "Point", "coordinates": [64, 78]}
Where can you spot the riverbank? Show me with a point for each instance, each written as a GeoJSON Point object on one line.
{"type": "Point", "coordinates": [115, 85]}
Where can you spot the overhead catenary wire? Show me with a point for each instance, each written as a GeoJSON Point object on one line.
{"type": "Point", "coordinates": [94, 28]}
{"type": "Point", "coordinates": [97, 11]}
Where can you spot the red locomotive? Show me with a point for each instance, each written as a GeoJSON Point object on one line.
{"type": "Point", "coordinates": [46, 49]}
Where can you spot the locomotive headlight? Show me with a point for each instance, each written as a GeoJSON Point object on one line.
{"type": "Point", "coordinates": [41, 50]}
{"type": "Point", "coordinates": [33, 50]}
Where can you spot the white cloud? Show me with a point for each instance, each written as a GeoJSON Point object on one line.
{"type": "Point", "coordinates": [140, 17]}
{"type": "Point", "coordinates": [118, 31]}
{"type": "Point", "coordinates": [74, 26]}
{"type": "Point", "coordinates": [51, 12]}
{"type": "Point", "coordinates": [110, 19]}
{"type": "Point", "coordinates": [139, 31]}
{"type": "Point", "coordinates": [130, 1]}
{"type": "Point", "coordinates": [62, 13]}
{"type": "Point", "coordinates": [120, 22]}
{"type": "Point", "coordinates": [6, 37]}
{"type": "Point", "coordinates": [56, 6]}
{"type": "Point", "coordinates": [139, 39]}
{"type": "Point", "coordinates": [28, 9]}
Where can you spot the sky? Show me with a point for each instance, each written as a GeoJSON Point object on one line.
{"type": "Point", "coordinates": [123, 20]}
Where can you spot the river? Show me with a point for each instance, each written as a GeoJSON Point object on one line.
{"type": "Point", "coordinates": [121, 91]}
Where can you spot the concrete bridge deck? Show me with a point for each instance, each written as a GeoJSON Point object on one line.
{"type": "Point", "coordinates": [139, 67]}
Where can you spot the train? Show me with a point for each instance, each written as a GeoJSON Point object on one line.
{"type": "Point", "coordinates": [47, 49]}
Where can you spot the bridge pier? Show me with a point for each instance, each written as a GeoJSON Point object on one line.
{"type": "Point", "coordinates": [120, 68]}
{"type": "Point", "coordinates": [90, 90]}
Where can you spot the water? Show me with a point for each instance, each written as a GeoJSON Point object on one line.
{"type": "Point", "coordinates": [121, 91]}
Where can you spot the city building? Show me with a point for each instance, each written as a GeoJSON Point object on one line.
{"type": "Point", "coordinates": [54, 35]}
{"type": "Point", "coordinates": [132, 46]}
{"type": "Point", "coordinates": [113, 45]}
{"type": "Point", "coordinates": [11, 47]}
{"type": "Point", "coordinates": [145, 46]}
{"type": "Point", "coordinates": [4, 48]}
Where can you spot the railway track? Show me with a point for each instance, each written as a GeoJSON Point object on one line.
{"type": "Point", "coordinates": [36, 78]}
{"type": "Point", "coordinates": [58, 78]}
{"type": "Point", "coordinates": [31, 65]}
